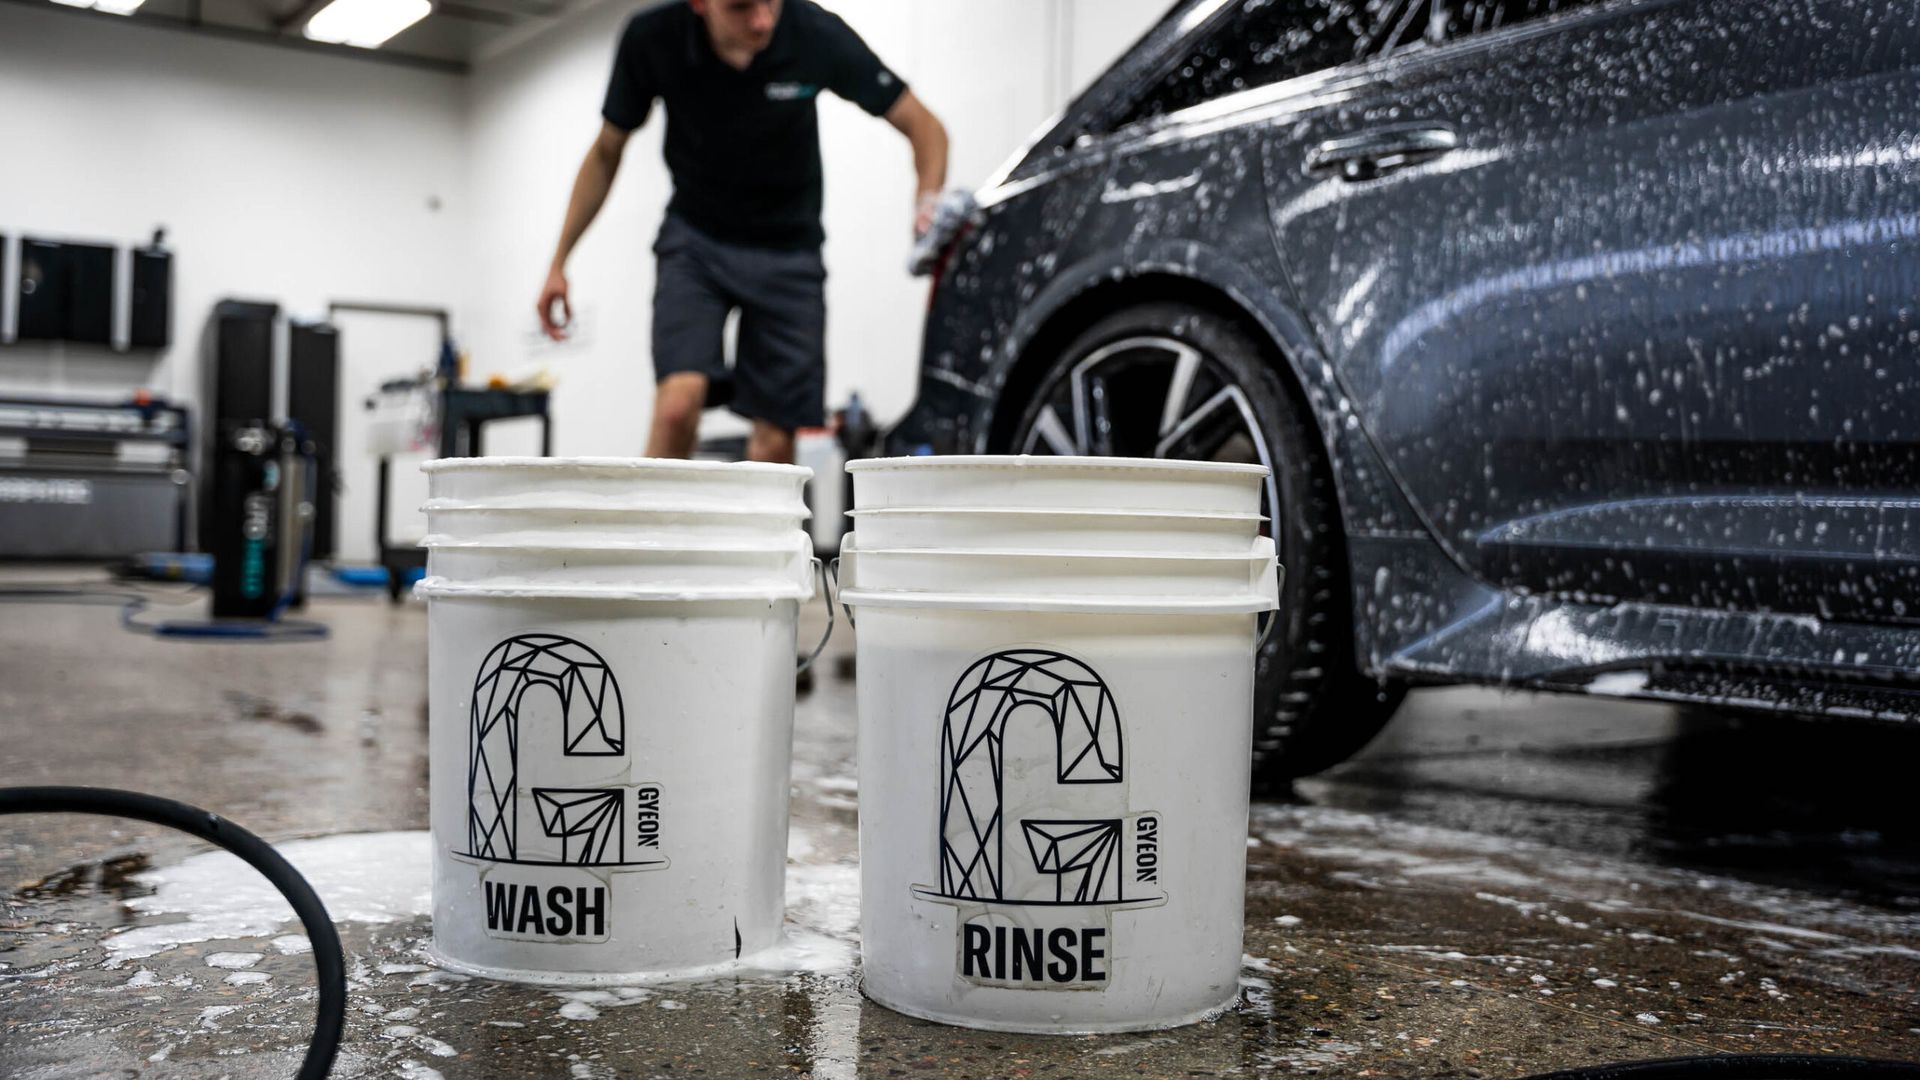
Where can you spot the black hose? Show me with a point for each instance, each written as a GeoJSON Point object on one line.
{"type": "Point", "coordinates": [330, 1014]}
{"type": "Point", "coordinates": [1745, 1067]}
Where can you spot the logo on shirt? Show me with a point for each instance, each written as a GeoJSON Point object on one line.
{"type": "Point", "coordinates": [790, 91]}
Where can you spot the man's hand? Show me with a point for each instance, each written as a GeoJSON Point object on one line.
{"type": "Point", "coordinates": [924, 211]}
{"type": "Point", "coordinates": [555, 292]}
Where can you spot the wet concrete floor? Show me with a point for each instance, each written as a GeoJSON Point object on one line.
{"type": "Point", "coordinates": [1503, 884]}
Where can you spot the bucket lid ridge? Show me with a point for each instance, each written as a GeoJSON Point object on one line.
{"type": "Point", "coordinates": [1071, 512]}
{"type": "Point", "coordinates": [615, 464]}
{"type": "Point", "coordinates": [984, 462]}
{"type": "Point", "coordinates": [432, 587]}
{"type": "Point", "coordinates": [800, 544]}
{"type": "Point", "coordinates": [547, 505]}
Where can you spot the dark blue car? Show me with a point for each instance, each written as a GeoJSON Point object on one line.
{"type": "Point", "coordinates": [1581, 336]}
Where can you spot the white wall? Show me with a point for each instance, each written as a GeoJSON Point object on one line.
{"type": "Point", "coordinates": [279, 175]}
{"type": "Point", "coordinates": [993, 70]}
{"type": "Point", "coordinates": [1098, 31]}
{"type": "Point", "coordinates": [533, 113]}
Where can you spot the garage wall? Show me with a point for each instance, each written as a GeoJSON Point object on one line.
{"type": "Point", "coordinates": [279, 175]}
{"type": "Point", "coordinates": [534, 111]}
{"type": "Point", "coordinates": [993, 70]}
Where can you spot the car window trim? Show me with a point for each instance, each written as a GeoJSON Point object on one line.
{"type": "Point", "coordinates": [1066, 127]}
{"type": "Point", "coordinates": [1335, 84]}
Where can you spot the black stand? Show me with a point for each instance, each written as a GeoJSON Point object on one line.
{"type": "Point", "coordinates": [463, 414]}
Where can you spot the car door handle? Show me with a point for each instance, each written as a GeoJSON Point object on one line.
{"type": "Point", "coordinates": [1367, 154]}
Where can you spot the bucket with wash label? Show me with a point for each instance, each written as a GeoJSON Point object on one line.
{"type": "Point", "coordinates": [1056, 722]}
{"type": "Point", "coordinates": [611, 668]}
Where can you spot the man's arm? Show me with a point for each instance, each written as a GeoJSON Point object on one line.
{"type": "Point", "coordinates": [929, 138]}
{"type": "Point", "coordinates": [590, 189]}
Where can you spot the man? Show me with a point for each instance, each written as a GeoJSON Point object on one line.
{"type": "Point", "coordinates": [739, 78]}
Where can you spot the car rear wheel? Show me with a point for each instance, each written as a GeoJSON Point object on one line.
{"type": "Point", "coordinates": [1172, 380]}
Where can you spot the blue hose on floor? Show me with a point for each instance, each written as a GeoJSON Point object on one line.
{"type": "Point", "coordinates": [273, 628]}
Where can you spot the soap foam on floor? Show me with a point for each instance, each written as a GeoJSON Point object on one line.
{"type": "Point", "coordinates": [361, 877]}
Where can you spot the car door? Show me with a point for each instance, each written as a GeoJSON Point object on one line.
{"type": "Point", "coordinates": [1625, 292]}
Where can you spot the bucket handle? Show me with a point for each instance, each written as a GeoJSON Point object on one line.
{"type": "Point", "coordinates": [831, 595]}
{"type": "Point", "coordinates": [1266, 631]}
{"type": "Point", "coordinates": [833, 568]}
{"type": "Point", "coordinates": [1273, 617]}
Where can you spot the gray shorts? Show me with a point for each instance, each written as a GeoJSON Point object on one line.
{"type": "Point", "coordinates": [780, 366]}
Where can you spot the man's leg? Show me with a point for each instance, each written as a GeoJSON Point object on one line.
{"type": "Point", "coordinates": [678, 401]}
{"type": "Point", "coordinates": [781, 371]}
{"type": "Point", "coordinates": [690, 307]}
{"type": "Point", "coordinates": [770, 442]}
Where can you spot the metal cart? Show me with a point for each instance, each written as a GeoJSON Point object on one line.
{"type": "Point", "coordinates": [464, 414]}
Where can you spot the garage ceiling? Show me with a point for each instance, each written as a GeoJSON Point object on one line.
{"type": "Point", "coordinates": [457, 33]}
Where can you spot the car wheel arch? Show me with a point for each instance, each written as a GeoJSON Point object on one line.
{"type": "Point", "coordinates": [1081, 295]}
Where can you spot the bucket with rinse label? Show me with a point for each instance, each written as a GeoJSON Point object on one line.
{"type": "Point", "coordinates": [1055, 753]}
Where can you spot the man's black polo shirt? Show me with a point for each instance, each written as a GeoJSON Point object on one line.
{"type": "Point", "coordinates": [744, 146]}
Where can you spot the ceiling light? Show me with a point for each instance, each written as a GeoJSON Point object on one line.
{"type": "Point", "coordinates": [365, 23]}
{"type": "Point", "coordinates": [112, 7]}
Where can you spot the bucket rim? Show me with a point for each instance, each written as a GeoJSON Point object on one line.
{"type": "Point", "coordinates": [1064, 511]}
{"type": "Point", "coordinates": [1244, 604]}
{"type": "Point", "coordinates": [1046, 461]}
{"type": "Point", "coordinates": [444, 542]}
{"type": "Point", "coordinates": [443, 505]}
{"type": "Point", "coordinates": [613, 464]}
{"type": "Point", "coordinates": [432, 587]}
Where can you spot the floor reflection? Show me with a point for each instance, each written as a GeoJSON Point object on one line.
{"type": "Point", "coordinates": [1817, 805]}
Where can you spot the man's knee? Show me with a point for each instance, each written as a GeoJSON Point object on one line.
{"type": "Point", "coordinates": [679, 400]}
{"type": "Point", "coordinates": [770, 442]}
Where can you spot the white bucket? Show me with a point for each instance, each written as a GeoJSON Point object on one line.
{"type": "Point", "coordinates": [1057, 483]}
{"type": "Point", "coordinates": [992, 529]}
{"type": "Point", "coordinates": [610, 743]}
{"type": "Point", "coordinates": [1054, 779]}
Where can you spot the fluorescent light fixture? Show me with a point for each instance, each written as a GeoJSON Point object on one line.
{"type": "Point", "coordinates": [111, 7]}
{"type": "Point", "coordinates": [365, 23]}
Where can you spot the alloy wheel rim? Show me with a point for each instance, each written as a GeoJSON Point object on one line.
{"type": "Point", "coordinates": [1150, 396]}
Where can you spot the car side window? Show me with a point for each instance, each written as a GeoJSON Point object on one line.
{"type": "Point", "coordinates": [1261, 42]}
{"type": "Point", "coordinates": [1464, 18]}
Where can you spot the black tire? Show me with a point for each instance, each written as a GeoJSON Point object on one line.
{"type": "Point", "coordinates": [1314, 707]}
